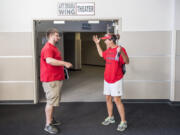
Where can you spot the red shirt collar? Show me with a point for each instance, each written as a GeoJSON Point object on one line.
{"type": "Point", "coordinates": [51, 45]}
{"type": "Point", "coordinates": [112, 48]}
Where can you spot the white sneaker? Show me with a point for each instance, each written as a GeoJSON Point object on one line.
{"type": "Point", "coordinates": [122, 126]}
{"type": "Point", "coordinates": [108, 120]}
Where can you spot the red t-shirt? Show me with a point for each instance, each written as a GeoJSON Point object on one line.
{"type": "Point", "coordinates": [113, 69]}
{"type": "Point", "coordinates": [48, 72]}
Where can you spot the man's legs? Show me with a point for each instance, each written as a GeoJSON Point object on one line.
{"type": "Point", "coordinates": [50, 128]}
{"type": "Point", "coordinates": [52, 91]}
{"type": "Point", "coordinates": [49, 114]}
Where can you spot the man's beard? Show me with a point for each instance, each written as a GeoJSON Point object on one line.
{"type": "Point", "coordinates": [56, 42]}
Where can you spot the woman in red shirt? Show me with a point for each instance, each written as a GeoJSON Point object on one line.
{"type": "Point", "coordinates": [115, 56]}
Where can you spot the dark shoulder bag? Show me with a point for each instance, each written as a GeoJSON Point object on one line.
{"type": "Point", "coordinates": [123, 65]}
{"type": "Point", "coordinates": [124, 68]}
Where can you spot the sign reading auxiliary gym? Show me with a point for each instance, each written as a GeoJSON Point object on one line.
{"type": "Point", "coordinates": [74, 8]}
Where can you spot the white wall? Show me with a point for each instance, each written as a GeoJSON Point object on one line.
{"type": "Point", "coordinates": [177, 59]}
{"type": "Point", "coordinates": [146, 24]}
{"type": "Point", "coordinates": [147, 14]}
{"type": "Point", "coordinates": [17, 15]}
{"type": "Point", "coordinates": [177, 14]}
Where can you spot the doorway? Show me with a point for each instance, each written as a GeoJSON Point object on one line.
{"type": "Point", "coordinates": [77, 47]}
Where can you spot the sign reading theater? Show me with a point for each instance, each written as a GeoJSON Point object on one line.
{"type": "Point", "coordinates": [73, 9]}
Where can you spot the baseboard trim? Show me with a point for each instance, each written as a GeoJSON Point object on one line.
{"type": "Point", "coordinates": [145, 100]}
{"type": "Point", "coordinates": [126, 101]}
{"type": "Point", "coordinates": [16, 102]}
{"type": "Point", "coordinates": [174, 103]}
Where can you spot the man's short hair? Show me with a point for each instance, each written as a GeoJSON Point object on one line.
{"type": "Point", "coordinates": [51, 31]}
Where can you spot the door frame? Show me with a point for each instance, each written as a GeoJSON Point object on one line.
{"type": "Point", "coordinates": [35, 76]}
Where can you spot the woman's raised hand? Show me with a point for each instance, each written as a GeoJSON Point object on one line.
{"type": "Point", "coordinates": [96, 39]}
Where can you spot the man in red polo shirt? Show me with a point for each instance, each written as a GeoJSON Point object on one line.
{"type": "Point", "coordinates": [52, 76]}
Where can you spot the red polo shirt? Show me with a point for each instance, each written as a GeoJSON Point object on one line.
{"type": "Point", "coordinates": [113, 69]}
{"type": "Point", "coordinates": [48, 72]}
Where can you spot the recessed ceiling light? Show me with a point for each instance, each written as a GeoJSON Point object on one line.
{"type": "Point", "coordinates": [93, 22]}
{"type": "Point", "coordinates": [59, 22]}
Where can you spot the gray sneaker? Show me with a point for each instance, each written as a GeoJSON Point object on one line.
{"type": "Point", "coordinates": [108, 120]}
{"type": "Point", "coordinates": [55, 123]}
{"type": "Point", "coordinates": [122, 126]}
{"type": "Point", "coordinates": [51, 129]}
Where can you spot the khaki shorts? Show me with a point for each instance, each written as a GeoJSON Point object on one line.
{"type": "Point", "coordinates": [53, 92]}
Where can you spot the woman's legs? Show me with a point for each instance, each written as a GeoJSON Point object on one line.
{"type": "Point", "coordinates": [120, 108]}
{"type": "Point", "coordinates": [109, 105]}
{"type": "Point", "coordinates": [110, 118]}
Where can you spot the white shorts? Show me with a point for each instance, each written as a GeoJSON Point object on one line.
{"type": "Point", "coordinates": [113, 89]}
